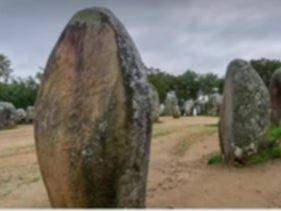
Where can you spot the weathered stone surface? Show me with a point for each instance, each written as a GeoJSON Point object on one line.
{"type": "Point", "coordinates": [244, 116]}
{"type": "Point", "coordinates": [30, 114]}
{"type": "Point", "coordinates": [171, 105]}
{"type": "Point", "coordinates": [21, 115]}
{"type": "Point", "coordinates": [188, 106]}
{"type": "Point", "coordinates": [214, 104]}
{"type": "Point", "coordinates": [162, 109]}
{"type": "Point", "coordinates": [155, 103]}
{"type": "Point", "coordinates": [93, 116]}
{"type": "Point", "coordinates": [8, 115]}
{"type": "Point", "coordinates": [275, 97]}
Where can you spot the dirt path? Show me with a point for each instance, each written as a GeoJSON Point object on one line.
{"type": "Point", "coordinates": [179, 175]}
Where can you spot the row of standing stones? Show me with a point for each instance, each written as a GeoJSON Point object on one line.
{"type": "Point", "coordinates": [203, 105]}
{"type": "Point", "coordinates": [93, 115]}
{"type": "Point", "coordinates": [10, 116]}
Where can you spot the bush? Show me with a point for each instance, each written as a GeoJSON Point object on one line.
{"type": "Point", "coordinates": [20, 92]}
{"type": "Point", "coordinates": [216, 159]}
{"type": "Point", "coordinates": [274, 134]}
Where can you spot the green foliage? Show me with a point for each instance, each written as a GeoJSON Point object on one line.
{"type": "Point", "coordinates": [274, 134]}
{"type": "Point", "coordinates": [5, 69]}
{"type": "Point", "coordinates": [163, 82]}
{"type": "Point", "coordinates": [271, 151]}
{"type": "Point", "coordinates": [216, 159]}
{"type": "Point", "coordinates": [265, 68]}
{"type": "Point", "coordinates": [186, 85]}
{"type": "Point", "coordinates": [20, 92]}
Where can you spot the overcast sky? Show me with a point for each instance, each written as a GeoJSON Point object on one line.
{"type": "Point", "coordinates": [174, 35]}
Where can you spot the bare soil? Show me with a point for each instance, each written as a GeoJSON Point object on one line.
{"type": "Point", "coordinates": [179, 176]}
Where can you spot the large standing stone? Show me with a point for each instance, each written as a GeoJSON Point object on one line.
{"type": "Point", "coordinates": [155, 103]}
{"type": "Point", "coordinates": [93, 116]}
{"type": "Point", "coordinates": [244, 116]}
{"type": "Point", "coordinates": [171, 105]}
{"type": "Point", "coordinates": [275, 97]}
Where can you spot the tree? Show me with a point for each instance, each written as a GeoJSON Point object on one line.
{"type": "Point", "coordinates": [5, 69]}
{"type": "Point", "coordinates": [163, 82]}
{"type": "Point", "coordinates": [265, 68]}
{"type": "Point", "coordinates": [187, 85]}
{"type": "Point", "coordinates": [208, 82]}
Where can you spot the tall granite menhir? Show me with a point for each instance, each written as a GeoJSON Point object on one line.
{"type": "Point", "coordinates": [93, 116]}
{"type": "Point", "coordinates": [244, 115]}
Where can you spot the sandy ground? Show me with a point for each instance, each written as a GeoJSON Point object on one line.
{"type": "Point", "coordinates": [179, 176]}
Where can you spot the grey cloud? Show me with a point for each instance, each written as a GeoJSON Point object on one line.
{"type": "Point", "coordinates": [202, 35]}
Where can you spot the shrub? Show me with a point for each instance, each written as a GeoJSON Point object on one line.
{"type": "Point", "coordinates": [216, 159]}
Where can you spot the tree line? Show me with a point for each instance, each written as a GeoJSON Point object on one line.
{"type": "Point", "coordinates": [22, 91]}
{"type": "Point", "coordinates": [187, 85]}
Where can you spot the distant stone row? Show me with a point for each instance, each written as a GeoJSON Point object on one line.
{"type": "Point", "coordinates": [203, 105]}
{"type": "Point", "coordinates": [10, 116]}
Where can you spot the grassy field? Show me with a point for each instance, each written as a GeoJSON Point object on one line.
{"type": "Point", "coordinates": [179, 176]}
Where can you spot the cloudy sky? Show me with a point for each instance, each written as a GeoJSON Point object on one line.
{"type": "Point", "coordinates": [202, 35]}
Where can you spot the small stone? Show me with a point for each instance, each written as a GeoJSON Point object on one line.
{"type": "Point", "coordinates": [171, 105]}
{"type": "Point", "coordinates": [8, 115]}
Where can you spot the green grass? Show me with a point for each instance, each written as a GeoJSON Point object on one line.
{"type": "Point", "coordinates": [269, 151]}
{"type": "Point", "coordinates": [274, 134]}
{"type": "Point", "coordinates": [215, 159]}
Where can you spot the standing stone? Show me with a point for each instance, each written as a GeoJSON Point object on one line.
{"type": "Point", "coordinates": [214, 104]}
{"type": "Point", "coordinates": [155, 103]}
{"type": "Point", "coordinates": [188, 106]}
{"type": "Point", "coordinates": [8, 115]}
{"type": "Point", "coordinates": [171, 105]}
{"type": "Point", "coordinates": [29, 114]}
{"type": "Point", "coordinates": [21, 115]}
{"type": "Point", "coordinates": [275, 97]}
{"type": "Point", "coordinates": [93, 116]}
{"type": "Point", "coordinates": [162, 109]}
{"type": "Point", "coordinates": [244, 116]}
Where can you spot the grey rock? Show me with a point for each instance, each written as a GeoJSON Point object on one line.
{"type": "Point", "coordinates": [188, 106]}
{"type": "Point", "coordinates": [155, 103]}
{"type": "Point", "coordinates": [275, 97]}
{"type": "Point", "coordinates": [8, 115]}
{"type": "Point", "coordinates": [21, 115]}
{"type": "Point", "coordinates": [171, 105]}
{"type": "Point", "coordinates": [93, 116]}
{"type": "Point", "coordinates": [214, 104]}
{"type": "Point", "coordinates": [29, 114]}
{"type": "Point", "coordinates": [244, 116]}
{"type": "Point", "coordinates": [162, 109]}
